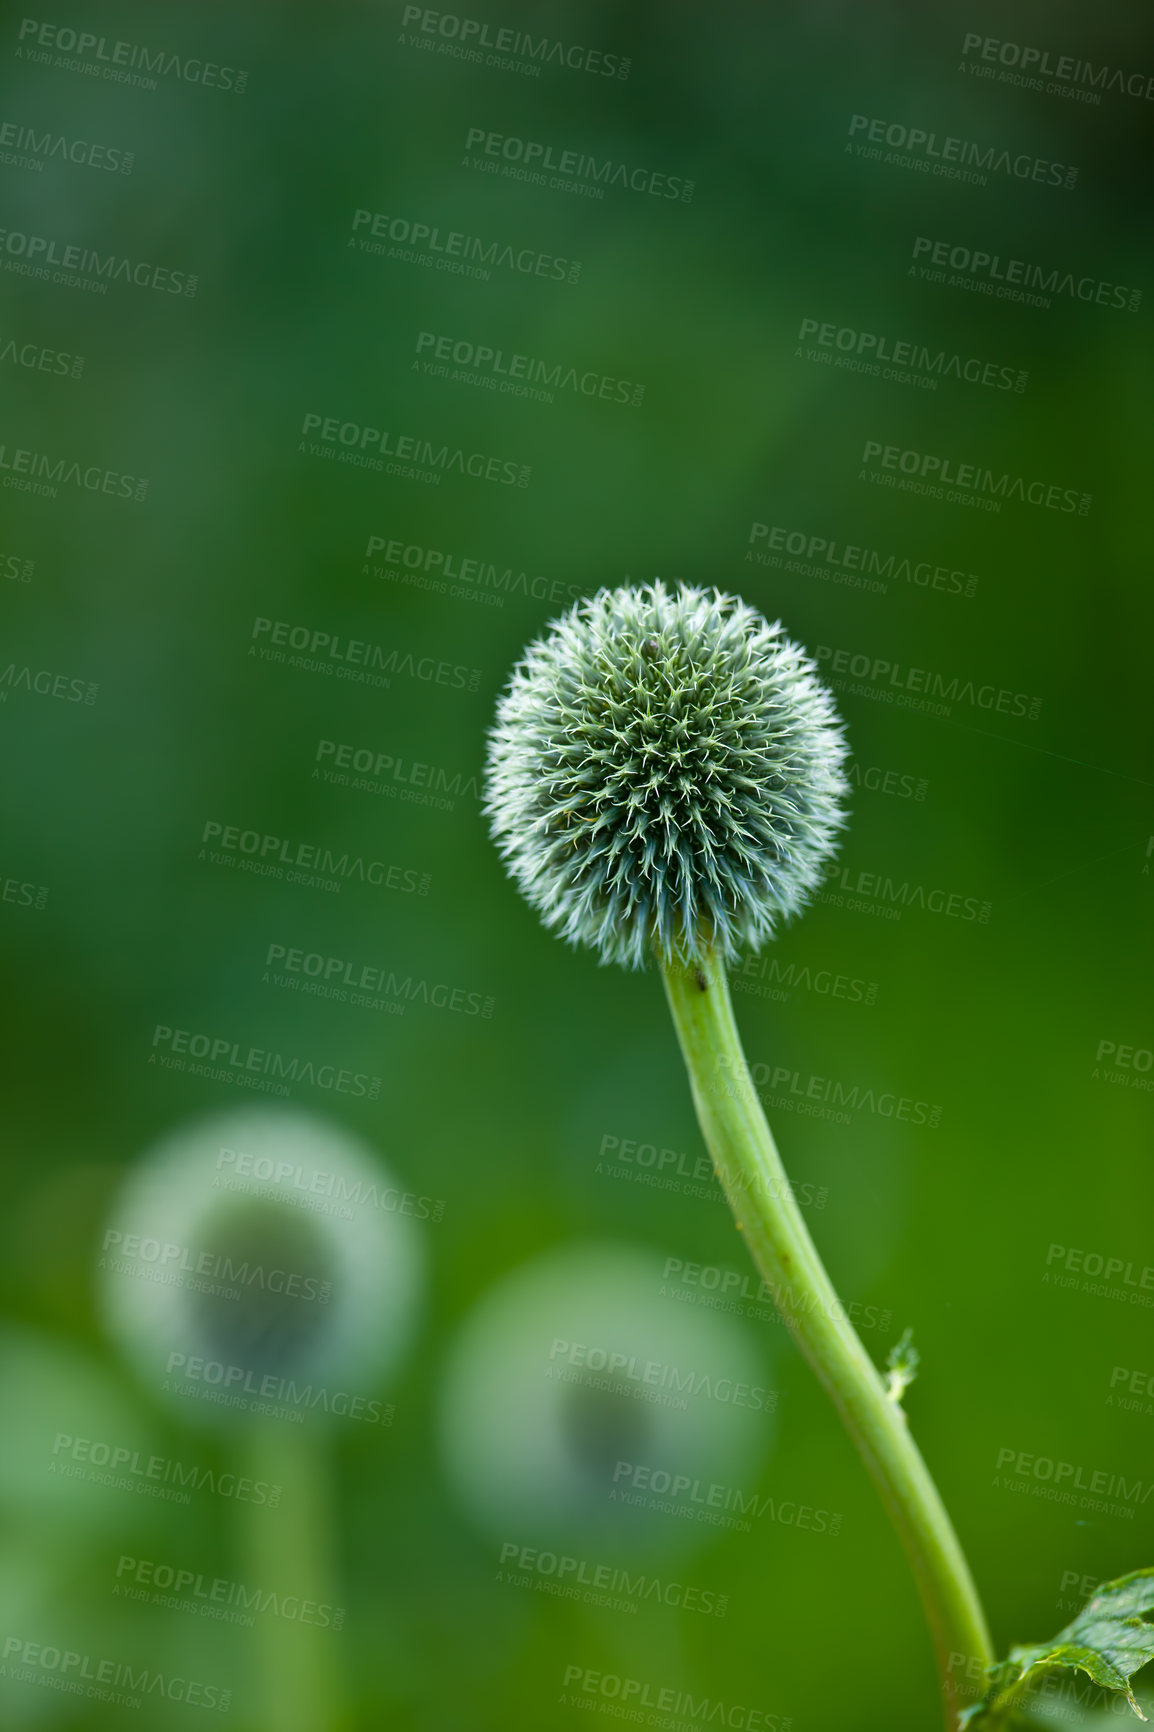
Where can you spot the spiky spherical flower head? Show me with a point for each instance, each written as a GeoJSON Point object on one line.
{"type": "Point", "coordinates": [665, 773]}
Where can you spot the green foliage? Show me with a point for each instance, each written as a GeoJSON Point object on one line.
{"type": "Point", "coordinates": [1111, 1638]}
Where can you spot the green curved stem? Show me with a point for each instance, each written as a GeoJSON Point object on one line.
{"type": "Point", "coordinates": [750, 1169]}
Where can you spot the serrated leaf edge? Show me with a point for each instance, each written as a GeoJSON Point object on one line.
{"type": "Point", "coordinates": [1050, 1654]}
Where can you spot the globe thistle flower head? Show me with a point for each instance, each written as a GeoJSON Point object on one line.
{"type": "Point", "coordinates": [665, 772]}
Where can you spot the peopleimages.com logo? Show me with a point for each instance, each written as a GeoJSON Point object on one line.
{"type": "Point", "coordinates": [598, 1584]}
{"type": "Point", "coordinates": [121, 62]}
{"type": "Point", "coordinates": [506, 49]}
{"type": "Point", "coordinates": [163, 1584]}
{"type": "Point", "coordinates": [955, 158]}
{"type": "Point", "coordinates": [454, 250]}
{"type": "Point", "coordinates": [1012, 279]}
{"type": "Point", "coordinates": [104, 1680]}
{"type": "Point", "coordinates": [531, 158]}
{"type": "Point", "coordinates": [1038, 63]}
{"type": "Point", "coordinates": [84, 267]}
{"type": "Point", "coordinates": [649, 1379]}
{"type": "Point", "coordinates": [1070, 1482]}
{"type": "Point", "coordinates": [226, 1060]}
{"type": "Point", "coordinates": [666, 1705]}
{"type": "Point", "coordinates": [984, 483]}
{"type": "Point", "coordinates": [897, 676]}
{"type": "Point", "coordinates": [155, 1476]}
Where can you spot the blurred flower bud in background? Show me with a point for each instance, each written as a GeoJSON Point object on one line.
{"type": "Point", "coordinates": [574, 1380]}
{"type": "Point", "coordinates": [259, 1259]}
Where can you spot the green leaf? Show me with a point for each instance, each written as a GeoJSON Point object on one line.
{"type": "Point", "coordinates": [1111, 1638]}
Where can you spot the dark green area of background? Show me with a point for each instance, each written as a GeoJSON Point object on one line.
{"type": "Point", "coordinates": [1049, 820]}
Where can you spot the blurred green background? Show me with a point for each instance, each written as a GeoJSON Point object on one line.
{"type": "Point", "coordinates": [500, 1119]}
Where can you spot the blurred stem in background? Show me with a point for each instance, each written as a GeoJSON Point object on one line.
{"type": "Point", "coordinates": [750, 1169]}
{"type": "Point", "coordinates": [288, 1551]}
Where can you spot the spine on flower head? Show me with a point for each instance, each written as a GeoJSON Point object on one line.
{"type": "Point", "coordinates": [665, 773]}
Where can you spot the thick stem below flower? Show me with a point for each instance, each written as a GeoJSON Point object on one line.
{"type": "Point", "coordinates": [287, 1548]}
{"type": "Point", "coordinates": [750, 1169]}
